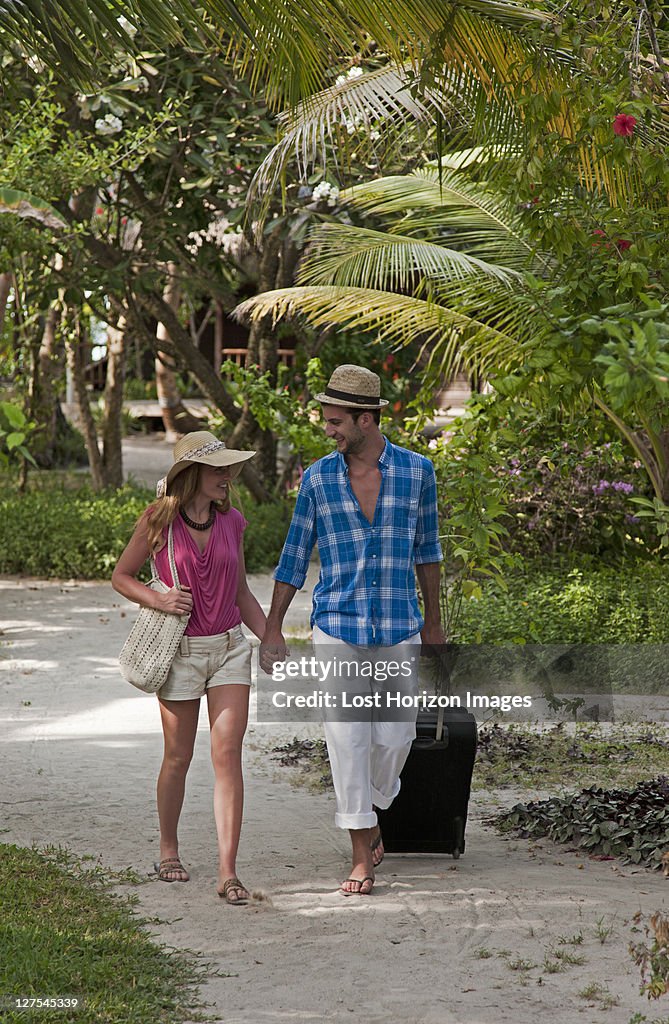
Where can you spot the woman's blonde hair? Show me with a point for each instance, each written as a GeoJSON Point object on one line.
{"type": "Point", "coordinates": [164, 511]}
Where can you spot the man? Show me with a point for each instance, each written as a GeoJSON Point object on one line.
{"type": "Point", "coordinates": [371, 508]}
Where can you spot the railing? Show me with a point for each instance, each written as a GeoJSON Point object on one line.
{"type": "Point", "coordinates": [240, 355]}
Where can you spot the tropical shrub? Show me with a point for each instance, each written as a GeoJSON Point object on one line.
{"type": "Point", "coordinates": [631, 824]}
{"type": "Point", "coordinates": [570, 603]}
{"type": "Point", "coordinates": [80, 533]}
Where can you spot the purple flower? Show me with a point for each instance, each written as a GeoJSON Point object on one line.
{"type": "Point", "coordinates": [620, 485]}
{"type": "Point", "coordinates": [631, 519]}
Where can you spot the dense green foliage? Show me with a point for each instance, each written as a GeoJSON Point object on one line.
{"type": "Point", "coordinates": [632, 824]}
{"type": "Point", "coordinates": [81, 533]}
{"type": "Point", "coordinates": [83, 943]}
{"type": "Point", "coordinates": [575, 603]}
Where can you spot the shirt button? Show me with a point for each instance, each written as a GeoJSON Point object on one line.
{"type": "Point", "coordinates": [374, 583]}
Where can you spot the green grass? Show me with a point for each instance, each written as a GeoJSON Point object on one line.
{"type": "Point", "coordinates": [64, 933]}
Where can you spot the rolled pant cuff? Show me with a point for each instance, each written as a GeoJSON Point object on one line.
{"type": "Point", "coordinates": [382, 801]}
{"type": "Point", "coordinates": [356, 820]}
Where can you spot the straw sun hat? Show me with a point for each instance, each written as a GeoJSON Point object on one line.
{"type": "Point", "coordinates": [353, 386]}
{"type": "Point", "coordinates": [201, 447]}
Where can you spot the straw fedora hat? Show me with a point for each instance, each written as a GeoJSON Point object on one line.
{"type": "Point", "coordinates": [201, 447]}
{"type": "Point", "coordinates": [353, 386]}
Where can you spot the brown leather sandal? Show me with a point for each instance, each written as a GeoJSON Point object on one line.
{"type": "Point", "coordinates": [169, 866]}
{"type": "Point", "coordinates": [234, 883]}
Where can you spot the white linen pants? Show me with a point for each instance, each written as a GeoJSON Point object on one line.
{"type": "Point", "coordinates": [366, 757]}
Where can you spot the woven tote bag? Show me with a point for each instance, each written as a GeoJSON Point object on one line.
{"type": "Point", "coordinates": [154, 639]}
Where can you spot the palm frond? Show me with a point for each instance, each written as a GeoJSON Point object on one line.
{"type": "Point", "coordinates": [372, 101]}
{"type": "Point", "coordinates": [464, 342]}
{"type": "Point", "coordinates": [453, 209]}
{"type": "Point", "coordinates": [360, 257]}
{"type": "Point", "coordinates": [70, 36]}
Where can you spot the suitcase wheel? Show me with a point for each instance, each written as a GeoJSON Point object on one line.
{"type": "Point", "coordinates": [456, 853]}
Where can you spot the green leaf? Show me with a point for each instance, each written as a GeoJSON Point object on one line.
{"type": "Point", "coordinates": [22, 204]}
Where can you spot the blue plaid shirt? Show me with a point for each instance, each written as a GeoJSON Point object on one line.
{"type": "Point", "coordinates": [366, 591]}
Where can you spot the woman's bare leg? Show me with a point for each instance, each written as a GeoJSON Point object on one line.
{"type": "Point", "coordinates": [179, 721]}
{"type": "Point", "coordinates": [228, 716]}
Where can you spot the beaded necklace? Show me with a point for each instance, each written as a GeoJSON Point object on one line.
{"type": "Point", "coordinates": [199, 526]}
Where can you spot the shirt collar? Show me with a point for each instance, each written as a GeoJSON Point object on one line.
{"type": "Point", "coordinates": [384, 457]}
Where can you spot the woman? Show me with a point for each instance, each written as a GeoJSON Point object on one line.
{"type": "Point", "coordinates": [209, 556]}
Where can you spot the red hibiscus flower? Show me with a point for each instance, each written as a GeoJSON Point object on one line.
{"type": "Point", "coordinates": [623, 243]}
{"type": "Point", "coordinates": [624, 124]}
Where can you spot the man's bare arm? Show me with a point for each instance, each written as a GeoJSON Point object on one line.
{"type": "Point", "coordinates": [273, 646]}
{"type": "Point", "coordinates": [281, 598]}
{"type": "Point", "coordinates": [429, 581]}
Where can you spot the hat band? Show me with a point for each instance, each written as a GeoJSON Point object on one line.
{"type": "Point", "coordinates": [206, 449]}
{"type": "Point", "coordinates": [346, 396]}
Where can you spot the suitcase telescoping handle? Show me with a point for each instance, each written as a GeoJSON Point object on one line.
{"type": "Point", "coordinates": [440, 739]}
{"type": "Point", "coordinates": [431, 742]}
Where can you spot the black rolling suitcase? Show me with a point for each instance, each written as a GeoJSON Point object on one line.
{"type": "Point", "coordinates": [430, 812]}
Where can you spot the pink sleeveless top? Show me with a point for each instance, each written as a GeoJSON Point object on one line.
{"type": "Point", "coordinates": [212, 575]}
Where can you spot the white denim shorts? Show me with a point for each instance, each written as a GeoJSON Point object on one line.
{"type": "Point", "coordinates": [205, 661]}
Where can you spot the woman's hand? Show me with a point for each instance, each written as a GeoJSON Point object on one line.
{"type": "Point", "coordinates": [176, 601]}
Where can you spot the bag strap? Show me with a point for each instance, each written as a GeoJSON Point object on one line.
{"type": "Point", "coordinates": [171, 558]}
{"type": "Point", "coordinates": [170, 555]}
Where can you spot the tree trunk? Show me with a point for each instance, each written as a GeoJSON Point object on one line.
{"type": "Point", "coordinates": [176, 418]}
{"type": "Point", "coordinates": [151, 304]}
{"type": "Point", "coordinates": [48, 365]}
{"type": "Point", "coordinates": [112, 428]}
{"type": "Point", "coordinates": [6, 280]}
{"type": "Point", "coordinates": [218, 335]}
{"type": "Point", "coordinates": [74, 348]}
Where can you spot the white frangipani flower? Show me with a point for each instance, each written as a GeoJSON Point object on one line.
{"type": "Point", "coordinates": [217, 233]}
{"type": "Point", "coordinates": [324, 190]}
{"type": "Point", "coordinates": [354, 72]}
{"type": "Point", "coordinates": [108, 125]}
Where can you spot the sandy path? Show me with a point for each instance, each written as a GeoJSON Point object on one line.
{"type": "Point", "coordinates": [80, 750]}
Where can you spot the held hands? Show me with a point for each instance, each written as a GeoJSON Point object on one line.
{"type": "Point", "coordinates": [272, 648]}
{"type": "Point", "coordinates": [176, 601]}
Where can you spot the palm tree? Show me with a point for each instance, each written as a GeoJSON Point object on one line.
{"type": "Point", "coordinates": [448, 264]}
{"type": "Point", "coordinates": [289, 45]}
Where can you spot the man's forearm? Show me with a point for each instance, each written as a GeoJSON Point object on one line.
{"type": "Point", "coordinates": [429, 581]}
{"type": "Point", "coordinates": [281, 598]}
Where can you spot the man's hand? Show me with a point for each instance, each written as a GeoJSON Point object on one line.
{"type": "Point", "coordinates": [433, 640]}
{"type": "Point", "coordinates": [272, 648]}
